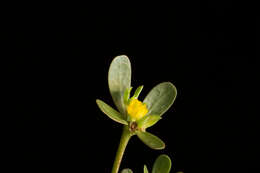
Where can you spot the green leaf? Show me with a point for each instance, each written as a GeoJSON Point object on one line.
{"type": "Point", "coordinates": [145, 169]}
{"type": "Point", "coordinates": [119, 79]}
{"type": "Point", "coordinates": [138, 91]}
{"type": "Point", "coordinates": [151, 140]}
{"type": "Point", "coordinates": [160, 98]}
{"type": "Point", "coordinates": [110, 112]}
{"type": "Point", "coordinates": [127, 95]}
{"type": "Point", "coordinates": [148, 121]}
{"type": "Point", "coordinates": [162, 164]}
{"type": "Point", "coordinates": [127, 170]}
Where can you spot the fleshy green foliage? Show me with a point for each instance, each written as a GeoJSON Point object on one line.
{"type": "Point", "coordinates": [162, 164]}
{"type": "Point", "coordinates": [119, 80]}
{"type": "Point", "coordinates": [127, 95]}
{"type": "Point", "coordinates": [160, 98]}
{"type": "Point", "coordinates": [127, 170]}
{"type": "Point", "coordinates": [145, 169]}
{"type": "Point", "coordinates": [155, 104]}
{"type": "Point", "coordinates": [111, 113]}
{"type": "Point", "coordinates": [148, 121]}
{"type": "Point", "coordinates": [151, 140]}
{"type": "Point", "coordinates": [158, 101]}
{"type": "Point", "coordinates": [138, 91]}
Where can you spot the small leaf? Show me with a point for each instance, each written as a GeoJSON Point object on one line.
{"type": "Point", "coordinates": [151, 140]}
{"type": "Point", "coordinates": [127, 95]}
{"type": "Point", "coordinates": [119, 79]}
{"type": "Point", "coordinates": [138, 91]}
{"type": "Point", "coordinates": [160, 98]}
{"type": "Point", "coordinates": [145, 169]}
{"type": "Point", "coordinates": [148, 121]}
{"type": "Point", "coordinates": [110, 112]}
{"type": "Point", "coordinates": [127, 170]}
{"type": "Point", "coordinates": [162, 164]}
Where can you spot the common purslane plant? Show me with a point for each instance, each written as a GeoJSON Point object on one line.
{"type": "Point", "coordinates": [135, 115]}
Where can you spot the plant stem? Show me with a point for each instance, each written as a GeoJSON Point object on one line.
{"type": "Point", "coordinates": [121, 149]}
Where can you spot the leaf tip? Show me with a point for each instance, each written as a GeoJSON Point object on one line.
{"type": "Point", "coordinates": [162, 147]}
{"type": "Point", "coordinates": [172, 86]}
{"type": "Point", "coordinates": [122, 57]}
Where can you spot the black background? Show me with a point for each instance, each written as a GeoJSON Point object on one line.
{"type": "Point", "coordinates": [60, 57]}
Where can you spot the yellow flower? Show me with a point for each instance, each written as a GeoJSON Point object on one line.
{"type": "Point", "coordinates": [136, 109]}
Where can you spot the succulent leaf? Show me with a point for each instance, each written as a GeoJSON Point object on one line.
{"type": "Point", "coordinates": [151, 140]}
{"type": "Point", "coordinates": [110, 112]}
{"type": "Point", "coordinates": [160, 98]}
{"type": "Point", "coordinates": [162, 164]}
{"type": "Point", "coordinates": [119, 79]}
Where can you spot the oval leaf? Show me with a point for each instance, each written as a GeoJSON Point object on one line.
{"type": "Point", "coordinates": [119, 80]}
{"type": "Point", "coordinates": [145, 169]}
{"type": "Point", "coordinates": [151, 140]}
{"type": "Point", "coordinates": [160, 98]}
{"type": "Point", "coordinates": [148, 121]}
{"type": "Point", "coordinates": [110, 112]}
{"type": "Point", "coordinates": [127, 171]}
{"type": "Point", "coordinates": [162, 164]}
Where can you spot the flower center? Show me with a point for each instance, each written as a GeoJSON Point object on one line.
{"type": "Point", "coordinates": [136, 109]}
